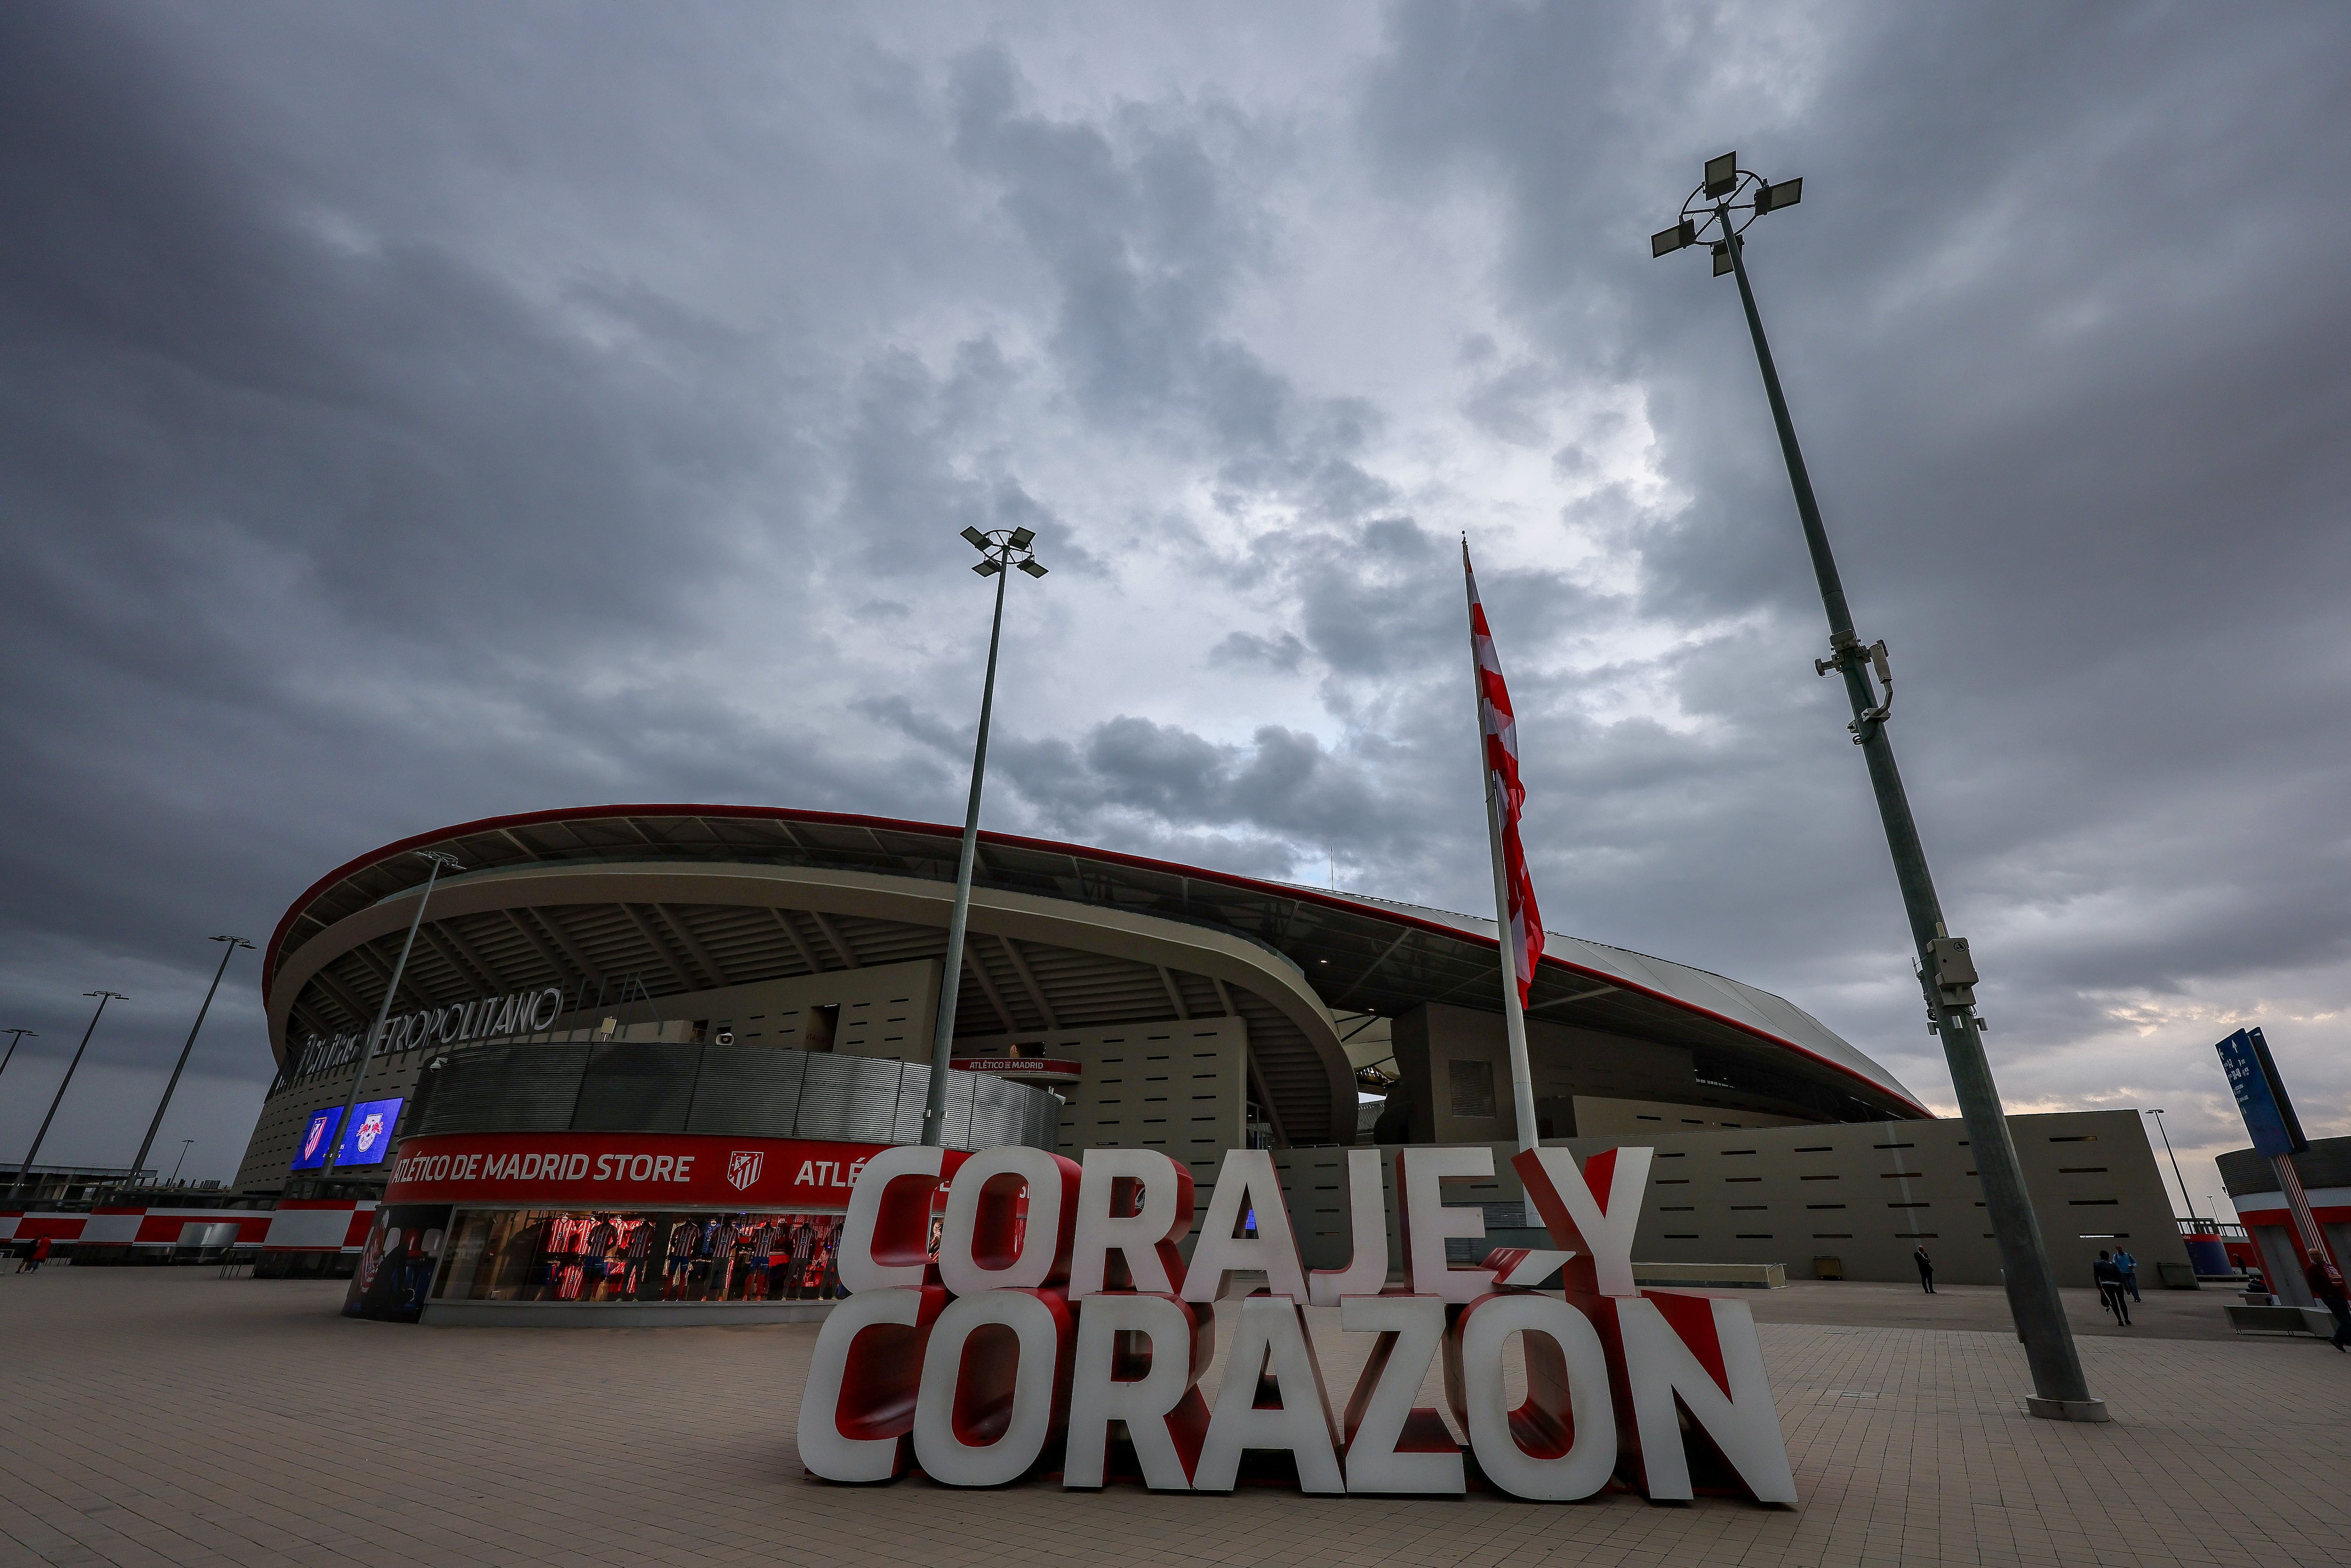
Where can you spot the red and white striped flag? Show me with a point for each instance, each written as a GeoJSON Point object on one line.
{"type": "Point", "coordinates": [1500, 730]}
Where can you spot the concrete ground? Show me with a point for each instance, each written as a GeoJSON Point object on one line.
{"type": "Point", "coordinates": [2161, 1314]}
{"type": "Point", "coordinates": [152, 1416]}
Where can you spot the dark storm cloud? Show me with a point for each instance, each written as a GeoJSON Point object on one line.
{"type": "Point", "coordinates": [1147, 231]}
{"type": "Point", "coordinates": [411, 415]}
{"type": "Point", "coordinates": [314, 529]}
{"type": "Point", "coordinates": [1282, 655]}
{"type": "Point", "coordinates": [1142, 240]}
{"type": "Point", "coordinates": [2064, 337]}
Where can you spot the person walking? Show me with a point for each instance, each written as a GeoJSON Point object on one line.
{"type": "Point", "coordinates": [2109, 1281]}
{"type": "Point", "coordinates": [1926, 1269]}
{"type": "Point", "coordinates": [2129, 1267]}
{"type": "Point", "coordinates": [2327, 1284]}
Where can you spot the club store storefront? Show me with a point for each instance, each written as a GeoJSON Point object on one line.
{"type": "Point", "coordinates": [719, 1196]}
{"type": "Point", "coordinates": [508, 1219]}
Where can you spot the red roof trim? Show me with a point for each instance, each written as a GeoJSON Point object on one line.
{"type": "Point", "coordinates": [851, 819]}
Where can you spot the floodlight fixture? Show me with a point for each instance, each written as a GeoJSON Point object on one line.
{"type": "Point", "coordinates": [1032, 567]}
{"type": "Point", "coordinates": [978, 540]}
{"type": "Point", "coordinates": [988, 568]}
{"type": "Point", "coordinates": [1021, 539]}
{"type": "Point", "coordinates": [1727, 201]}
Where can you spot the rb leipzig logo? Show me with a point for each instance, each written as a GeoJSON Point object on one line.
{"type": "Point", "coordinates": [743, 1168]}
{"type": "Point", "coordinates": [370, 1131]}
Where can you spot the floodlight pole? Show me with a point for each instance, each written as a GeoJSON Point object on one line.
{"type": "Point", "coordinates": [1002, 549]}
{"type": "Point", "coordinates": [1946, 971]}
{"type": "Point", "coordinates": [2175, 1168]}
{"type": "Point", "coordinates": [16, 1035]}
{"type": "Point", "coordinates": [228, 952]}
{"type": "Point", "coordinates": [34, 1152]}
{"type": "Point", "coordinates": [375, 1031]}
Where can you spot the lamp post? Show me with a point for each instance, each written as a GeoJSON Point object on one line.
{"type": "Point", "coordinates": [2175, 1166]}
{"type": "Point", "coordinates": [227, 952]}
{"type": "Point", "coordinates": [440, 861]}
{"type": "Point", "coordinates": [186, 1145]}
{"type": "Point", "coordinates": [13, 1035]}
{"type": "Point", "coordinates": [998, 550]}
{"type": "Point", "coordinates": [1727, 201]}
{"type": "Point", "coordinates": [34, 1152]}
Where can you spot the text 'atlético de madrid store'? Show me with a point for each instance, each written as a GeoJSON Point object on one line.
{"type": "Point", "coordinates": [638, 1053]}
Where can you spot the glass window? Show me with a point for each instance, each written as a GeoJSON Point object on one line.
{"type": "Point", "coordinates": [575, 1255]}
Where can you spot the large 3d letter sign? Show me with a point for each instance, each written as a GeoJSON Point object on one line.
{"type": "Point", "coordinates": [1058, 1306]}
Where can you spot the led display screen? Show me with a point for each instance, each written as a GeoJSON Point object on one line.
{"type": "Point", "coordinates": [368, 1141]}
{"type": "Point", "coordinates": [318, 1137]}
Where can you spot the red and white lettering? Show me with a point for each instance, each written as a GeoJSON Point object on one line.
{"type": "Point", "coordinates": [1392, 1444]}
{"type": "Point", "coordinates": [1560, 1444]}
{"type": "Point", "coordinates": [856, 1411]}
{"type": "Point", "coordinates": [1428, 1222]}
{"type": "Point", "coordinates": [976, 1250]}
{"type": "Point", "coordinates": [1135, 1204]}
{"type": "Point", "coordinates": [1246, 1184]}
{"type": "Point", "coordinates": [989, 1401]}
{"type": "Point", "coordinates": [1270, 1338]}
{"type": "Point", "coordinates": [1367, 1209]}
{"type": "Point", "coordinates": [1702, 1355]}
{"type": "Point", "coordinates": [1139, 1360]}
{"type": "Point", "coordinates": [1596, 1209]}
{"type": "Point", "coordinates": [970, 1369]}
{"type": "Point", "coordinates": [885, 1238]}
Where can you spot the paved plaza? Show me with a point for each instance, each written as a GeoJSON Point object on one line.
{"type": "Point", "coordinates": [158, 1416]}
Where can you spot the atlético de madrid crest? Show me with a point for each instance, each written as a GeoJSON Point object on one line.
{"type": "Point", "coordinates": [743, 1168]}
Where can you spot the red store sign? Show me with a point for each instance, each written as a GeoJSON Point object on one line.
{"type": "Point", "coordinates": [628, 1170]}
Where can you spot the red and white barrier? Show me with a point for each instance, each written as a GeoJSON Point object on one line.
{"type": "Point", "coordinates": [313, 1225]}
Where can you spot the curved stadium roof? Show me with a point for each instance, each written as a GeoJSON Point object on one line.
{"type": "Point", "coordinates": [1358, 954]}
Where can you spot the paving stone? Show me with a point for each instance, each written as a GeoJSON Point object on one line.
{"type": "Point", "coordinates": [159, 1416]}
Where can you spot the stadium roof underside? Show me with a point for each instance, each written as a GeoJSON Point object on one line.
{"type": "Point", "coordinates": [1358, 954]}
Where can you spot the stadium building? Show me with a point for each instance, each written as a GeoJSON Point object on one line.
{"type": "Point", "coordinates": [602, 993]}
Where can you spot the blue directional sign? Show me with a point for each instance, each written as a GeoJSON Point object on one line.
{"type": "Point", "coordinates": [2261, 1097]}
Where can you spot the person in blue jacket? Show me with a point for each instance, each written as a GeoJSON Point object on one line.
{"type": "Point", "coordinates": [2129, 1267]}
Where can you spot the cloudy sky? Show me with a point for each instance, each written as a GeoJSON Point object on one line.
{"type": "Point", "coordinates": [418, 412]}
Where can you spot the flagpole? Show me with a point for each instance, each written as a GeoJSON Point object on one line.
{"type": "Point", "coordinates": [1514, 1018]}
